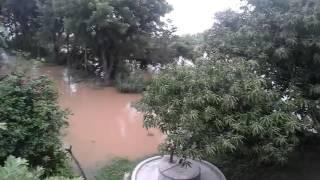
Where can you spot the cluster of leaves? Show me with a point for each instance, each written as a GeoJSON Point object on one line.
{"type": "Point", "coordinates": [221, 108]}
{"type": "Point", "coordinates": [18, 169]}
{"type": "Point", "coordinates": [283, 37]}
{"type": "Point", "coordinates": [19, 20]}
{"type": "Point", "coordinates": [33, 122]}
{"type": "Point", "coordinates": [190, 46]}
{"type": "Point", "coordinates": [131, 79]}
{"type": "Point", "coordinates": [166, 48]}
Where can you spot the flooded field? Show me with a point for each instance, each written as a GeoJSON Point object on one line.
{"type": "Point", "coordinates": [103, 125]}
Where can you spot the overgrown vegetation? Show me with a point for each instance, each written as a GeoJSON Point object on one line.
{"type": "Point", "coordinates": [233, 110]}
{"type": "Point", "coordinates": [95, 35]}
{"type": "Point", "coordinates": [254, 99]}
{"type": "Point", "coordinates": [18, 169]}
{"type": "Point", "coordinates": [301, 165]}
{"type": "Point", "coordinates": [83, 33]}
{"type": "Point", "coordinates": [131, 79]}
{"type": "Point", "coordinates": [33, 122]}
{"type": "Point", "coordinates": [283, 37]}
{"type": "Point", "coordinates": [116, 170]}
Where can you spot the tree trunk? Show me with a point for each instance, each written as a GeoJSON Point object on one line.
{"type": "Point", "coordinates": [38, 51]}
{"type": "Point", "coordinates": [85, 58]}
{"type": "Point", "coordinates": [68, 50]}
{"type": "Point", "coordinates": [56, 53]}
{"type": "Point", "coordinates": [171, 156]}
{"type": "Point", "coordinates": [55, 49]}
{"type": "Point", "coordinates": [107, 65]}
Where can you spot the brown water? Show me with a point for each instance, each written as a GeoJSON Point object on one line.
{"type": "Point", "coordinates": [103, 125]}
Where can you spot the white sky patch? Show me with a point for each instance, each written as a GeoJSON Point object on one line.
{"type": "Point", "coordinates": [195, 16]}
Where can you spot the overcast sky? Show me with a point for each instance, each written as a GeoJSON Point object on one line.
{"type": "Point", "coordinates": [193, 16]}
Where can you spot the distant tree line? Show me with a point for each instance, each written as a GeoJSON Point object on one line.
{"type": "Point", "coordinates": [94, 35]}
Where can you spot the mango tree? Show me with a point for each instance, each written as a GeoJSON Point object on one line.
{"type": "Point", "coordinates": [220, 107]}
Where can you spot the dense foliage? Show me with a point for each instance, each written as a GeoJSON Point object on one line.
{"type": "Point", "coordinates": [220, 108]}
{"type": "Point", "coordinates": [19, 18]}
{"type": "Point", "coordinates": [131, 78]}
{"type": "Point", "coordinates": [90, 34]}
{"type": "Point", "coordinates": [283, 37]}
{"type": "Point", "coordinates": [96, 35]}
{"type": "Point", "coordinates": [18, 169]}
{"type": "Point", "coordinates": [250, 99]}
{"type": "Point", "coordinates": [33, 122]}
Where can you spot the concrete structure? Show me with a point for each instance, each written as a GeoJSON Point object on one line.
{"type": "Point", "coordinates": [158, 168]}
{"type": "Point", "coordinates": [174, 171]}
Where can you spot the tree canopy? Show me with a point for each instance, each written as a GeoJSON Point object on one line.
{"type": "Point", "coordinates": [283, 37]}
{"type": "Point", "coordinates": [113, 30]}
{"type": "Point", "coordinates": [83, 33]}
{"type": "Point", "coordinates": [20, 19]}
{"type": "Point", "coordinates": [220, 108]}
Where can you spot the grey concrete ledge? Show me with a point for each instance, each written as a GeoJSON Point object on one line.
{"type": "Point", "coordinates": [148, 170]}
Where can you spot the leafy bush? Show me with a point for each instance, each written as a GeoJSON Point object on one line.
{"type": "Point", "coordinates": [116, 170]}
{"type": "Point", "coordinates": [17, 169]}
{"type": "Point", "coordinates": [220, 108]}
{"type": "Point", "coordinates": [131, 79]}
{"type": "Point", "coordinates": [33, 122]}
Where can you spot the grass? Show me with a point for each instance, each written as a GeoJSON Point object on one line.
{"type": "Point", "coordinates": [116, 170]}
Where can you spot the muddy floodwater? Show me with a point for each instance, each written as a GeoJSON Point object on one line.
{"type": "Point", "coordinates": [103, 125]}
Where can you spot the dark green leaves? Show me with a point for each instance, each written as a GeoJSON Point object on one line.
{"type": "Point", "coordinates": [17, 168]}
{"type": "Point", "coordinates": [282, 36]}
{"type": "Point", "coordinates": [33, 122]}
{"type": "Point", "coordinates": [225, 109]}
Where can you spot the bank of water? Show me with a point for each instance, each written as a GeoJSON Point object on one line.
{"type": "Point", "coordinates": [103, 125]}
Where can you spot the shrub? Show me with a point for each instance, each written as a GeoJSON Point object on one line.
{"type": "Point", "coordinates": [17, 169]}
{"type": "Point", "coordinates": [131, 79]}
{"type": "Point", "coordinates": [116, 170]}
{"type": "Point", "coordinates": [221, 108]}
{"type": "Point", "coordinates": [33, 122]}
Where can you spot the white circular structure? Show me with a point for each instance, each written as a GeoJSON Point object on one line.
{"type": "Point", "coordinates": [149, 170]}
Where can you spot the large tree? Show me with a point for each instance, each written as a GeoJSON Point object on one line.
{"type": "Point", "coordinates": [20, 20]}
{"type": "Point", "coordinates": [220, 108]}
{"type": "Point", "coordinates": [113, 29]}
{"type": "Point", "coordinates": [51, 30]}
{"type": "Point", "coordinates": [283, 36]}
